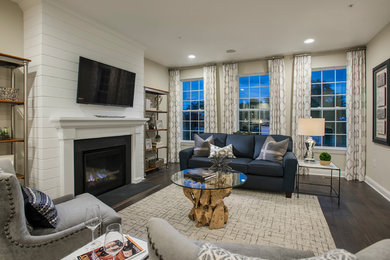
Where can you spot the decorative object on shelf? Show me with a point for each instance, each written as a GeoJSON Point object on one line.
{"type": "Point", "coordinates": [148, 144]}
{"type": "Point", "coordinates": [325, 158]}
{"type": "Point", "coordinates": [159, 124]}
{"type": "Point", "coordinates": [4, 133]}
{"type": "Point", "coordinates": [151, 126]}
{"type": "Point", "coordinates": [220, 164]}
{"type": "Point", "coordinates": [157, 138]}
{"type": "Point", "coordinates": [154, 145]}
{"type": "Point", "coordinates": [381, 101]}
{"type": "Point", "coordinates": [158, 99]}
{"type": "Point", "coordinates": [311, 127]}
{"type": "Point", "coordinates": [9, 94]}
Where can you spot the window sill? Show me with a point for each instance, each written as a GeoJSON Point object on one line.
{"type": "Point", "coordinates": [334, 150]}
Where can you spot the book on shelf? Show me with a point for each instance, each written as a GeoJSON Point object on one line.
{"type": "Point", "coordinates": [130, 250]}
{"type": "Point", "coordinates": [200, 174]}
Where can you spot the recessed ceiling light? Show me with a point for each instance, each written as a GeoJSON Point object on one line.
{"type": "Point", "coordinates": [308, 41]}
{"type": "Point", "coordinates": [191, 56]}
{"type": "Point", "coordinates": [230, 51]}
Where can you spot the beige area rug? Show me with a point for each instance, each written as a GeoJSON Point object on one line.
{"type": "Point", "coordinates": [255, 217]}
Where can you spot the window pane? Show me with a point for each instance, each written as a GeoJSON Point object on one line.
{"type": "Point", "coordinates": [244, 126]}
{"type": "Point", "coordinates": [201, 115]}
{"type": "Point", "coordinates": [254, 103]}
{"type": "Point", "coordinates": [341, 115]}
{"type": "Point", "coordinates": [341, 75]}
{"type": "Point", "coordinates": [194, 125]}
{"type": "Point", "coordinates": [201, 84]}
{"type": "Point", "coordinates": [328, 140]}
{"type": "Point", "coordinates": [186, 86]}
{"type": "Point", "coordinates": [244, 116]}
{"type": "Point", "coordinates": [341, 140]}
{"type": "Point", "coordinates": [264, 115]}
{"type": "Point", "coordinates": [254, 92]}
{"type": "Point", "coordinates": [316, 77]}
{"type": "Point", "coordinates": [193, 134]}
{"type": "Point", "coordinates": [341, 128]}
{"type": "Point", "coordinates": [254, 81]}
{"type": "Point", "coordinates": [341, 88]}
{"type": "Point", "coordinates": [264, 129]}
{"type": "Point", "coordinates": [318, 140]}
{"type": "Point", "coordinates": [186, 135]}
{"type": "Point", "coordinates": [194, 105]}
{"type": "Point", "coordinates": [330, 128]}
{"type": "Point", "coordinates": [264, 103]}
{"type": "Point", "coordinates": [316, 114]}
{"type": "Point", "coordinates": [316, 89]}
{"type": "Point", "coordinates": [341, 101]}
{"type": "Point", "coordinates": [194, 116]}
{"type": "Point", "coordinates": [254, 127]}
{"type": "Point", "coordinates": [195, 95]}
{"type": "Point", "coordinates": [186, 125]}
{"type": "Point", "coordinates": [315, 101]}
{"type": "Point", "coordinates": [186, 116]}
{"type": "Point", "coordinates": [186, 105]}
{"type": "Point", "coordinates": [328, 88]}
{"type": "Point", "coordinates": [255, 116]}
{"type": "Point", "coordinates": [195, 85]}
{"type": "Point", "coordinates": [201, 105]}
{"type": "Point", "coordinates": [244, 93]}
{"type": "Point", "coordinates": [264, 91]}
{"type": "Point", "coordinates": [244, 81]}
{"type": "Point", "coordinates": [244, 103]}
{"type": "Point", "coordinates": [328, 75]}
{"type": "Point", "coordinates": [328, 101]}
{"type": "Point", "coordinates": [201, 127]}
{"type": "Point", "coordinates": [186, 96]}
{"type": "Point", "coordinates": [329, 115]}
{"type": "Point", "coordinates": [201, 95]}
{"type": "Point", "coordinates": [264, 80]}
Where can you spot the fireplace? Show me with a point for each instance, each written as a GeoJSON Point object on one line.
{"type": "Point", "coordinates": [102, 164]}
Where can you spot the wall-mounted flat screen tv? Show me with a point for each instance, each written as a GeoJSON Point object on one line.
{"type": "Point", "coordinates": [103, 84]}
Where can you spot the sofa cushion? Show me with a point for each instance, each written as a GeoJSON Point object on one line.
{"type": "Point", "coordinates": [199, 162]}
{"type": "Point", "coordinates": [240, 164]}
{"type": "Point", "coordinates": [202, 146]}
{"type": "Point", "coordinates": [273, 151]}
{"type": "Point", "coordinates": [260, 139]}
{"type": "Point", "coordinates": [243, 145]}
{"type": "Point", "coordinates": [226, 151]}
{"type": "Point", "coordinates": [219, 139]}
{"type": "Point", "coordinates": [265, 168]}
{"type": "Point", "coordinates": [334, 254]}
{"type": "Point", "coordinates": [209, 251]}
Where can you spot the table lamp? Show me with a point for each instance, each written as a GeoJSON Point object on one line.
{"type": "Point", "coordinates": [311, 127]}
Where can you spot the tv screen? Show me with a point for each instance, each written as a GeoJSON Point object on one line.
{"type": "Point", "coordinates": [103, 84]}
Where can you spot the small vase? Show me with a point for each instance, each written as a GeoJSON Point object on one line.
{"type": "Point", "coordinates": [325, 163]}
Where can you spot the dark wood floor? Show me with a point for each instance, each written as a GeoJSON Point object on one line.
{"type": "Point", "coordinates": [362, 218]}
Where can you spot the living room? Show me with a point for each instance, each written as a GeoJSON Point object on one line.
{"type": "Point", "coordinates": [193, 74]}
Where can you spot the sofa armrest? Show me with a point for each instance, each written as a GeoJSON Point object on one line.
{"type": "Point", "coordinates": [290, 163]}
{"type": "Point", "coordinates": [185, 156]}
{"type": "Point", "coordinates": [378, 251]}
{"type": "Point", "coordinates": [63, 199]}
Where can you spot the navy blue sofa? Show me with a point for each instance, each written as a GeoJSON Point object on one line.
{"type": "Point", "coordinates": [262, 175]}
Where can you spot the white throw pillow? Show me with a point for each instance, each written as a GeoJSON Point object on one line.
{"type": "Point", "coordinates": [209, 251]}
{"type": "Point", "coordinates": [226, 151]}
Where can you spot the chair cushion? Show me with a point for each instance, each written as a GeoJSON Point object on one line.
{"type": "Point", "coordinates": [273, 151]}
{"type": "Point", "coordinates": [260, 139]}
{"type": "Point", "coordinates": [219, 139]}
{"type": "Point", "coordinates": [72, 213]}
{"type": "Point", "coordinates": [265, 168]}
{"type": "Point", "coordinates": [199, 162]}
{"type": "Point", "coordinates": [240, 164]}
{"type": "Point", "coordinates": [39, 208]}
{"type": "Point", "coordinates": [243, 145]}
{"type": "Point", "coordinates": [226, 151]}
{"type": "Point", "coordinates": [202, 146]}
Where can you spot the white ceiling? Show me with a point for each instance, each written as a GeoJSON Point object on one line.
{"type": "Point", "coordinates": [172, 29]}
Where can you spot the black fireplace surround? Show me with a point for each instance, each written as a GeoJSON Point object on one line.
{"type": "Point", "coordinates": [102, 164]}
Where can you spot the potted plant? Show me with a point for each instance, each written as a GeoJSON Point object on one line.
{"type": "Point", "coordinates": [157, 138]}
{"type": "Point", "coordinates": [325, 158]}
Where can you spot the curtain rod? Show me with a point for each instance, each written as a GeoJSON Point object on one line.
{"type": "Point", "coordinates": [302, 54]}
{"type": "Point", "coordinates": [361, 48]}
{"type": "Point", "coordinates": [274, 58]}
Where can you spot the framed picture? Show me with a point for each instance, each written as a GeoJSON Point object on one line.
{"type": "Point", "coordinates": [148, 144]}
{"type": "Point", "coordinates": [381, 101]}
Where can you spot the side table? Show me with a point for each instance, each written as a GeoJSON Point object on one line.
{"type": "Point", "coordinates": [316, 165]}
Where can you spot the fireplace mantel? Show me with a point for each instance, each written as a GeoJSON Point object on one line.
{"type": "Point", "coordinates": [78, 128]}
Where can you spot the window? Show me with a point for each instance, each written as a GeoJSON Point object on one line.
{"type": "Point", "coordinates": [193, 108]}
{"type": "Point", "coordinates": [328, 100]}
{"type": "Point", "coordinates": [254, 104]}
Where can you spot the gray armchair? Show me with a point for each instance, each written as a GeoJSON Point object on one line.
{"type": "Point", "coordinates": [16, 242]}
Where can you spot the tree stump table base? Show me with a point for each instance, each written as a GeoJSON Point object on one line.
{"type": "Point", "coordinates": [209, 208]}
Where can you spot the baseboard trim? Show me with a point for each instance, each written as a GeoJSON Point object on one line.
{"type": "Point", "coordinates": [378, 188]}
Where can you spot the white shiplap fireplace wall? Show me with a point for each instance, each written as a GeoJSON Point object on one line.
{"type": "Point", "coordinates": [54, 38]}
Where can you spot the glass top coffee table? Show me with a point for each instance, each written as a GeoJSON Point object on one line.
{"type": "Point", "coordinates": [207, 196]}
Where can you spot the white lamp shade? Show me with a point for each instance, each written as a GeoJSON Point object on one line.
{"type": "Point", "coordinates": [311, 126]}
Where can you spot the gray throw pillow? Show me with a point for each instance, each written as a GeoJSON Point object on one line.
{"type": "Point", "coordinates": [334, 254]}
{"type": "Point", "coordinates": [202, 147]}
{"type": "Point", "coordinates": [209, 251]}
{"type": "Point", "coordinates": [272, 150]}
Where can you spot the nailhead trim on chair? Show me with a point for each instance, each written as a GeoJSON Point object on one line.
{"type": "Point", "coordinates": [153, 245]}
{"type": "Point", "coordinates": [12, 215]}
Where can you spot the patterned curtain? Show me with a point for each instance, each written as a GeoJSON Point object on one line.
{"type": "Point", "coordinates": [277, 96]}
{"type": "Point", "coordinates": [175, 106]}
{"type": "Point", "coordinates": [230, 102]}
{"type": "Point", "coordinates": [210, 99]}
{"type": "Point", "coordinates": [301, 101]}
{"type": "Point", "coordinates": [356, 115]}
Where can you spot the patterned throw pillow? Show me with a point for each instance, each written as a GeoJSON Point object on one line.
{"type": "Point", "coordinates": [226, 151]}
{"type": "Point", "coordinates": [39, 208]}
{"type": "Point", "coordinates": [335, 254]}
{"type": "Point", "coordinates": [211, 252]}
{"type": "Point", "coordinates": [202, 147]}
{"type": "Point", "coordinates": [272, 150]}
